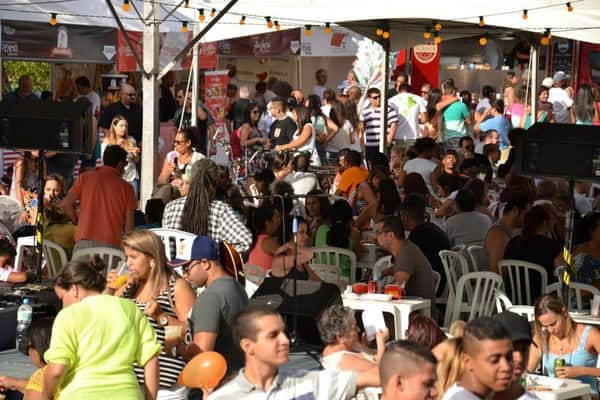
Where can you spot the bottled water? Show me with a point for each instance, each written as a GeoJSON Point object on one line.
{"type": "Point", "coordinates": [24, 316]}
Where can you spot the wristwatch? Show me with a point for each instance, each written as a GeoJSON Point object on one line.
{"type": "Point", "coordinates": [163, 320]}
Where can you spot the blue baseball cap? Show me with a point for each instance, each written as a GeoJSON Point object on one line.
{"type": "Point", "coordinates": [203, 248]}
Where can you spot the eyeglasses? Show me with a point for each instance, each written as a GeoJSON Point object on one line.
{"type": "Point", "coordinates": [374, 97]}
{"type": "Point", "coordinates": [176, 142]}
{"type": "Point", "coordinates": [186, 268]}
{"type": "Point", "coordinates": [469, 147]}
{"type": "Point", "coordinates": [254, 112]}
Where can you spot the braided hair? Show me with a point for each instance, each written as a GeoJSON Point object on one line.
{"type": "Point", "coordinates": [203, 190]}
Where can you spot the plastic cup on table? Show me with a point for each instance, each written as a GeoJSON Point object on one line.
{"type": "Point", "coordinates": [122, 276]}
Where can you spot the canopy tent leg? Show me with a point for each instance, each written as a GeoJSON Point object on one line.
{"type": "Point", "coordinates": [533, 60]}
{"type": "Point", "coordinates": [384, 98]}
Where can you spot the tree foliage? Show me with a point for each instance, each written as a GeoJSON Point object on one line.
{"type": "Point", "coordinates": [39, 72]}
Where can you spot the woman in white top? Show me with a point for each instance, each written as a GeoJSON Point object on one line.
{"type": "Point", "coordinates": [304, 138]}
{"type": "Point", "coordinates": [179, 161]}
{"type": "Point", "coordinates": [343, 350]}
{"type": "Point", "coordinates": [343, 129]}
{"type": "Point", "coordinates": [118, 134]}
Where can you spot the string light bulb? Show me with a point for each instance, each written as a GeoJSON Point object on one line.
{"type": "Point", "coordinates": [386, 35]}
{"type": "Point", "coordinates": [427, 33]}
{"type": "Point", "coordinates": [243, 20]}
{"type": "Point", "coordinates": [545, 41]}
{"type": "Point", "coordinates": [569, 7]}
{"type": "Point", "coordinates": [213, 12]}
{"type": "Point", "coordinates": [277, 26]}
{"type": "Point", "coordinates": [53, 21]}
{"type": "Point", "coordinates": [483, 41]}
{"type": "Point", "coordinates": [525, 16]}
{"type": "Point", "coordinates": [379, 31]}
{"type": "Point", "coordinates": [327, 27]}
{"type": "Point", "coordinates": [307, 30]}
{"type": "Point", "coordinates": [481, 22]}
{"type": "Point", "coordinates": [437, 39]}
{"type": "Point", "coordinates": [186, 3]}
{"type": "Point", "coordinates": [126, 5]}
{"type": "Point", "coordinates": [184, 27]}
{"type": "Point", "coordinates": [201, 16]}
{"type": "Point", "coordinates": [437, 26]}
{"type": "Point", "coordinates": [269, 22]}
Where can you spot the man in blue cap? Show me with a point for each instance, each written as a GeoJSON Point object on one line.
{"type": "Point", "coordinates": [212, 316]}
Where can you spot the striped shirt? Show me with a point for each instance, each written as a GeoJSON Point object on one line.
{"type": "Point", "coordinates": [317, 385]}
{"type": "Point", "coordinates": [169, 367]}
{"type": "Point", "coordinates": [371, 118]}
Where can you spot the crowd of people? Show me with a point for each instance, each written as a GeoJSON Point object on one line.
{"type": "Point", "coordinates": [446, 178]}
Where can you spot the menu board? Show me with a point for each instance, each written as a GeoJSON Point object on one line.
{"type": "Point", "coordinates": [562, 56]}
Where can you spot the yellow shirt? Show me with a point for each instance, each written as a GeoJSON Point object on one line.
{"type": "Point", "coordinates": [36, 383]}
{"type": "Point", "coordinates": [99, 339]}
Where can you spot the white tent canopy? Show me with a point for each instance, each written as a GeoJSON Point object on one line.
{"type": "Point", "coordinates": [583, 23]}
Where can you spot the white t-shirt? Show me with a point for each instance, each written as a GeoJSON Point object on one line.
{"type": "Point", "coordinates": [94, 99]}
{"type": "Point", "coordinates": [456, 392]}
{"type": "Point", "coordinates": [5, 273]}
{"type": "Point", "coordinates": [318, 90]}
{"type": "Point", "coordinates": [583, 204]}
{"type": "Point", "coordinates": [410, 106]}
{"type": "Point", "coordinates": [342, 139]}
{"type": "Point", "coordinates": [302, 182]}
{"type": "Point", "coordinates": [561, 102]}
{"type": "Point", "coordinates": [467, 227]}
{"type": "Point", "coordinates": [309, 146]}
{"type": "Point", "coordinates": [422, 166]}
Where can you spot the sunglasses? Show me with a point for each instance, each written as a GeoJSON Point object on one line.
{"type": "Point", "coordinates": [374, 97]}
{"type": "Point", "coordinates": [186, 268]}
{"type": "Point", "coordinates": [176, 142]}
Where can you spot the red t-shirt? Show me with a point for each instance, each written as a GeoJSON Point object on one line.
{"type": "Point", "coordinates": [105, 198]}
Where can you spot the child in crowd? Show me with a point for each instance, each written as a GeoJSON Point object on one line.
{"type": "Point", "coordinates": [7, 271]}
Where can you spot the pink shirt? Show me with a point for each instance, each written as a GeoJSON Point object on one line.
{"type": "Point", "coordinates": [258, 256]}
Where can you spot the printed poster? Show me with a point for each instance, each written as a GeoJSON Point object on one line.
{"type": "Point", "coordinates": [215, 99]}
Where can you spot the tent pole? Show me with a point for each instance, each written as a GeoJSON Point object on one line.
{"type": "Point", "coordinates": [196, 38]}
{"type": "Point", "coordinates": [384, 98]}
{"type": "Point", "coordinates": [150, 125]}
{"type": "Point", "coordinates": [533, 61]}
{"type": "Point", "coordinates": [194, 67]}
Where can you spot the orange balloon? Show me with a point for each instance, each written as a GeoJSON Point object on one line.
{"type": "Point", "coordinates": [204, 371]}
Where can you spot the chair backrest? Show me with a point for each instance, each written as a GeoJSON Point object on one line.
{"type": "Point", "coordinates": [436, 279]}
{"type": "Point", "coordinates": [575, 289]}
{"type": "Point", "coordinates": [328, 273]}
{"type": "Point", "coordinates": [503, 303]}
{"type": "Point", "coordinates": [478, 258]}
{"type": "Point", "coordinates": [175, 241]}
{"type": "Point", "coordinates": [333, 256]}
{"type": "Point", "coordinates": [109, 255]}
{"type": "Point", "coordinates": [517, 271]}
{"type": "Point", "coordinates": [483, 285]}
{"type": "Point", "coordinates": [455, 265]}
{"type": "Point", "coordinates": [55, 257]}
{"type": "Point", "coordinates": [254, 273]}
{"type": "Point", "coordinates": [524, 311]}
{"type": "Point", "coordinates": [22, 243]}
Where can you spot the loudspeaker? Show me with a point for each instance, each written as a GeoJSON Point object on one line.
{"type": "Point", "coordinates": [64, 127]}
{"type": "Point", "coordinates": [313, 299]}
{"type": "Point", "coordinates": [559, 150]}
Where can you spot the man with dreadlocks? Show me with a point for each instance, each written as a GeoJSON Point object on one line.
{"type": "Point", "coordinates": [200, 213]}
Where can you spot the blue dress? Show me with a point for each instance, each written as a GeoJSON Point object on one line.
{"type": "Point", "coordinates": [578, 358]}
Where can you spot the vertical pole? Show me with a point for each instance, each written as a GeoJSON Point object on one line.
{"type": "Point", "coordinates": [150, 125]}
{"type": "Point", "coordinates": [195, 80]}
{"type": "Point", "coordinates": [533, 61]}
{"type": "Point", "coordinates": [384, 99]}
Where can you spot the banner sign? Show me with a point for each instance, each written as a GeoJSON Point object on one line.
{"type": "Point", "coordinates": [425, 65]}
{"type": "Point", "coordinates": [215, 99]}
{"type": "Point", "coordinates": [170, 44]}
{"type": "Point", "coordinates": [339, 42]}
{"type": "Point", "coordinates": [282, 43]}
{"type": "Point", "coordinates": [36, 41]}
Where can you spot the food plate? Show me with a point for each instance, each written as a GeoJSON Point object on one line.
{"type": "Point", "coordinates": [579, 313]}
{"type": "Point", "coordinates": [376, 297]}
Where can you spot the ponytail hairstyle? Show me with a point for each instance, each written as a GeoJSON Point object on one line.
{"type": "Point", "coordinates": [87, 274]}
{"type": "Point", "coordinates": [449, 368]}
{"type": "Point", "coordinates": [340, 220]}
{"type": "Point", "coordinates": [203, 190]}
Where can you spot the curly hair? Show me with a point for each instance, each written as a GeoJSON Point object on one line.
{"type": "Point", "coordinates": [335, 322]}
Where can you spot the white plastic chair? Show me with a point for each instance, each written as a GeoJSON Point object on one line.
{"type": "Point", "coordinates": [575, 288]}
{"type": "Point", "coordinates": [55, 257]}
{"type": "Point", "coordinates": [436, 279]}
{"type": "Point", "coordinates": [254, 273]}
{"type": "Point", "coordinates": [483, 285]}
{"type": "Point", "coordinates": [503, 303]}
{"type": "Point", "coordinates": [524, 311]}
{"type": "Point", "coordinates": [478, 258]}
{"type": "Point", "coordinates": [328, 273]}
{"type": "Point", "coordinates": [176, 242]}
{"type": "Point", "coordinates": [331, 256]}
{"type": "Point", "coordinates": [109, 255]}
{"type": "Point", "coordinates": [22, 243]}
{"type": "Point", "coordinates": [455, 266]}
{"type": "Point", "coordinates": [516, 271]}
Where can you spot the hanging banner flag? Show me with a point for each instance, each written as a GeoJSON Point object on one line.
{"type": "Point", "coordinates": [425, 65]}
{"type": "Point", "coordinates": [170, 44]}
{"type": "Point", "coordinates": [215, 99]}
{"type": "Point", "coordinates": [339, 42]}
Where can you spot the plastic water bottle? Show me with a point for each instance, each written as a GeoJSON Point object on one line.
{"type": "Point", "coordinates": [24, 316]}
